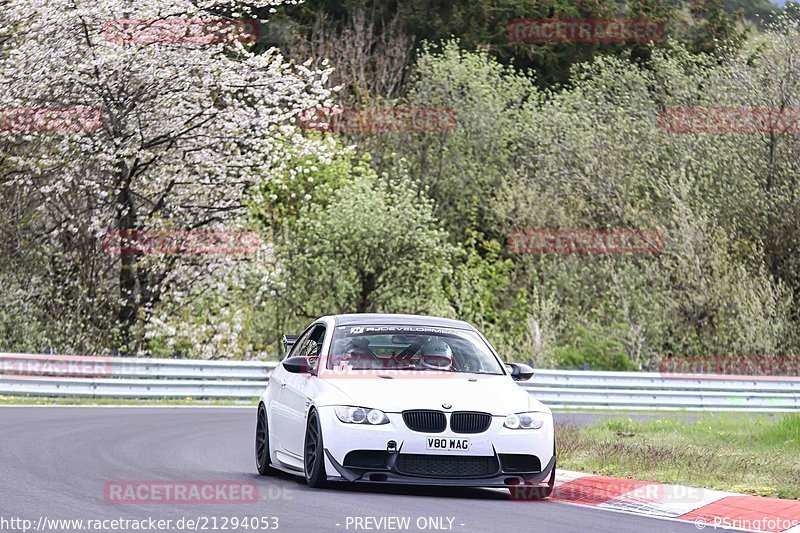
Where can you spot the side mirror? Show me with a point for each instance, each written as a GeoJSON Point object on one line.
{"type": "Point", "coordinates": [520, 371]}
{"type": "Point", "coordinates": [297, 365]}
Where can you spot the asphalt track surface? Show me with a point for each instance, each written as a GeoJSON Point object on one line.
{"type": "Point", "coordinates": [55, 463]}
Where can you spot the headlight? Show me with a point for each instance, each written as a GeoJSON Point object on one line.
{"type": "Point", "coordinates": [360, 415]}
{"type": "Point", "coordinates": [525, 421]}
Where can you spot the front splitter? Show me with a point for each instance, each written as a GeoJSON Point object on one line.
{"type": "Point", "coordinates": [391, 477]}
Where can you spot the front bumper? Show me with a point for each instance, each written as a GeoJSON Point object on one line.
{"type": "Point", "coordinates": [487, 463]}
{"type": "Point", "coordinates": [392, 476]}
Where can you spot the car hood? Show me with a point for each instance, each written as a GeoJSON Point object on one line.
{"type": "Point", "coordinates": [498, 395]}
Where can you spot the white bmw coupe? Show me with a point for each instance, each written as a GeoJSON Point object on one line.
{"type": "Point", "coordinates": [403, 399]}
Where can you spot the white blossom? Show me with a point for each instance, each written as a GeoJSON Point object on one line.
{"type": "Point", "coordinates": [186, 129]}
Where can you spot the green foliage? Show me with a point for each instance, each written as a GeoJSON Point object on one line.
{"type": "Point", "coordinates": [759, 11]}
{"type": "Point", "coordinates": [234, 320]}
{"type": "Point", "coordinates": [462, 169]}
{"type": "Point", "coordinates": [550, 136]}
{"type": "Point", "coordinates": [277, 201]}
{"type": "Point", "coordinates": [713, 26]}
{"type": "Point", "coordinates": [594, 156]}
{"type": "Point", "coordinates": [374, 246]}
{"type": "Point", "coordinates": [481, 293]}
{"type": "Point", "coordinates": [595, 350]}
{"type": "Point", "coordinates": [483, 25]}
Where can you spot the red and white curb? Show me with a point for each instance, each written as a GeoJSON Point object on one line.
{"type": "Point", "coordinates": [712, 509]}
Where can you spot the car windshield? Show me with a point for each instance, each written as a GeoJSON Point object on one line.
{"type": "Point", "coordinates": [423, 348]}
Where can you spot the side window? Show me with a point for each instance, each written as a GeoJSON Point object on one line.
{"type": "Point", "coordinates": [312, 347]}
{"type": "Point", "coordinates": [297, 349]}
{"type": "Point", "coordinates": [309, 344]}
{"type": "Point", "coordinates": [315, 341]}
{"type": "Point", "coordinates": [312, 343]}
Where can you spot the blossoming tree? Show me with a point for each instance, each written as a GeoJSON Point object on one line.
{"type": "Point", "coordinates": [123, 116]}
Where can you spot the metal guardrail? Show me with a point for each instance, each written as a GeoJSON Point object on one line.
{"type": "Point", "coordinates": [53, 375]}
{"type": "Point", "coordinates": [664, 391]}
{"type": "Point", "coordinates": [129, 367]}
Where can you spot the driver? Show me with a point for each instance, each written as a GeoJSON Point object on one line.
{"type": "Point", "coordinates": [356, 351]}
{"type": "Point", "coordinates": [358, 347]}
{"type": "Point", "coordinates": [436, 355]}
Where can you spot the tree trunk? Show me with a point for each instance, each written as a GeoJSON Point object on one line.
{"type": "Point", "coordinates": [126, 223]}
{"type": "Point", "coordinates": [365, 302]}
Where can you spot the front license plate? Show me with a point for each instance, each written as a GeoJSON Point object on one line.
{"type": "Point", "coordinates": [448, 444]}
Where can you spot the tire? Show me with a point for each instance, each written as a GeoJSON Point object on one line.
{"type": "Point", "coordinates": [262, 444]}
{"type": "Point", "coordinates": [314, 454]}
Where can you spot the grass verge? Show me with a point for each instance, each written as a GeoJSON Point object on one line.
{"type": "Point", "coordinates": [32, 400]}
{"type": "Point", "coordinates": [745, 453]}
